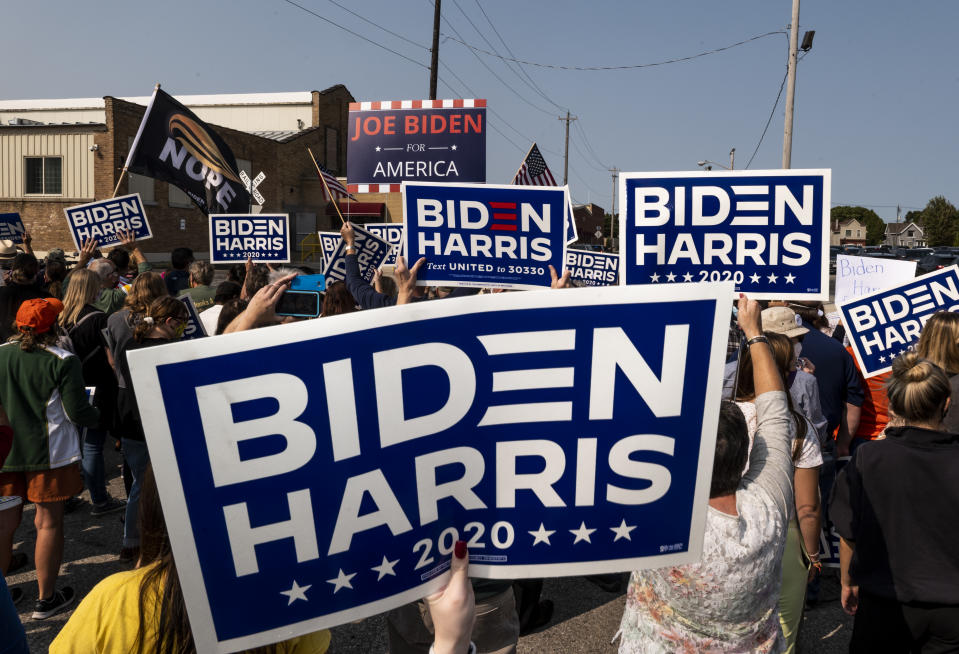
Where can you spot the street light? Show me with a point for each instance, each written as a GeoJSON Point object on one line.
{"type": "Point", "coordinates": [709, 164]}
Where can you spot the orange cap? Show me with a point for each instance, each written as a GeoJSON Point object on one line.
{"type": "Point", "coordinates": [39, 314]}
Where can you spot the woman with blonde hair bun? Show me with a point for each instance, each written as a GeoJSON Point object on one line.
{"type": "Point", "coordinates": [939, 343]}
{"type": "Point", "coordinates": [895, 506]}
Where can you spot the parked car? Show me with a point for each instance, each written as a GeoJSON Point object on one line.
{"type": "Point", "coordinates": [915, 254]}
{"type": "Point", "coordinates": [933, 262]}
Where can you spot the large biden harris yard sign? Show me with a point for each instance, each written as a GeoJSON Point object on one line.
{"type": "Point", "coordinates": [319, 472]}
{"type": "Point", "coordinates": [767, 231]}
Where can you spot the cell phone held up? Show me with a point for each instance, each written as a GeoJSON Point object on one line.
{"type": "Point", "coordinates": [304, 298]}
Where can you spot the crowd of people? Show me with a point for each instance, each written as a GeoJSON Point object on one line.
{"type": "Point", "coordinates": [795, 410]}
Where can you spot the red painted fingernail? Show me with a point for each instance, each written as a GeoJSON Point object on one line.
{"type": "Point", "coordinates": [459, 550]}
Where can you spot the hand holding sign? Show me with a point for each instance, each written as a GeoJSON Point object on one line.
{"type": "Point", "coordinates": [750, 317]}
{"type": "Point", "coordinates": [347, 234]}
{"type": "Point", "coordinates": [453, 607]}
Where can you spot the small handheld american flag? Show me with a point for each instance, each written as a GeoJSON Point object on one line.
{"type": "Point", "coordinates": [336, 188]}
{"type": "Point", "coordinates": [534, 171]}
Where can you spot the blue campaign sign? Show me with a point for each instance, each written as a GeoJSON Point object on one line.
{"type": "Point", "coordinates": [262, 237]}
{"type": "Point", "coordinates": [328, 243]}
{"type": "Point", "coordinates": [320, 472]}
{"type": "Point", "coordinates": [592, 268]}
{"type": "Point", "coordinates": [11, 227]}
{"type": "Point", "coordinates": [415, 140]}
{"type": "Point", "coordinates": [194, 328]}
{"type": "Point", "coordinates": [572, 234]}
{"type": "Point", "coordinates": [392, 233]}
{"type": "Point", "coordinates": [499, 236]}
{"type": "Point", "coordinates": [885, 324]}
{"type": "Point", "coordinates": [104, 219]}
{"type": "Point", "coordinates": [371, 252]}
{"type": "Point", "coordinates": [767, 231]}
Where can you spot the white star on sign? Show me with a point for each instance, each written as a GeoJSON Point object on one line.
{"type": "Point", "coordinates": [341, 581]}
{"type": "Point", "coordinates": [541, 535]}
{"type": "Point", "coordinates": [670, 277]}
{"type": "Point", "coordinates": [377, 148]}
{"type": "Point", "coordinates": [790, 278]}
{"type": "Point", "coordinates": [754, 278]}
{"type": "Point", "coordinates": [772, 278]}
{"type": "Point", "coordinates": [687, 277]}
{"type": "Point", "coordinates": [385, 568]}
{"type": "Point", "coordinates": [654, 277]}
{"type": "Point", "coordinates": [582, 533]}
{"type": "Point", "coordinates": [622, 531]}
{"type": "Point", "coordinates": [296, 593]}
{"type": "Point", "coordinates": [452, 147]}
{"type": "Point", "coordinates": [882, 359]}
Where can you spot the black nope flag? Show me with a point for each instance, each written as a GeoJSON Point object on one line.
{"type": "Point", "coordinates": [174, 145]}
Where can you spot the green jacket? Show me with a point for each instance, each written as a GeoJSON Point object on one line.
{"type": "Point", "coordinates": [44, 397]}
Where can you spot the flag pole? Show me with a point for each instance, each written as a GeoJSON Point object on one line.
{"type": "Point", "coordinates": [325, 187]}
{"type": "Point", "coordinates": [136, 141]}
{"type": "Point", "coordinates": [524, 161]}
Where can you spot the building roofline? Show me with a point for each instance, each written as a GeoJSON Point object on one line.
{"type": "Point", "coordinates": [213, 100]}
{"type": "Point", "coordinates": [54, 127]}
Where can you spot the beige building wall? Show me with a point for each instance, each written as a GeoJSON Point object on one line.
{"type": "Point", "coordinates": [257, 118]}
{"type": "Point", "coordinates": [256, 112]}
{"type": "Point", "coordinates": [73, 148]}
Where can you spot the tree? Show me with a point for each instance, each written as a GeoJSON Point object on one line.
{"type": "Point", "coordinates": [940, 221]}
{"type": "Point", "coordinates": [913, 217]}
{"type": "Point", "coordinates": [875, 226]}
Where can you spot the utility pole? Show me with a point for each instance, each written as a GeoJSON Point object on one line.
{"type": "Point", "coordinates": [732, 159]}
{"type": "Point", "coordinates": [612, 212]}
{"type": "Point", "coordinates": [435, 51]}
{"type": "Point", "coordinates": [791, 86]}
{"type": "Point", "coordinates": [566, 157]}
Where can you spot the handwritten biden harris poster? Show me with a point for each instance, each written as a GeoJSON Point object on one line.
{"type": "Point", "coordinates": [767, 231]}
{"type": "Point", "coordinates": [320, 472]}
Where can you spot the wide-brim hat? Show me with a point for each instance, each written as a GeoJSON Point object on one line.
{"type": "Point", "coordinates": [783, 320]}
{"type": "Point", "coordinates": [8, 250]}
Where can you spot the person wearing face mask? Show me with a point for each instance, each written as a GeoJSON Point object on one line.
{"type": "Point", "coordinates": [165, 320]}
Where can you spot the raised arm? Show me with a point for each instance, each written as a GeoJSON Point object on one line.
{"type": "Point", "coordinates": [365, 295]}
{"type": "Point", "coordinates": [128, 240]}
{"type": "Point", "coordinates": [770, 463]}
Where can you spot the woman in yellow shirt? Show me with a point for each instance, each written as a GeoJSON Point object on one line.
{"type": "Point", "coordinates": [143, 610]}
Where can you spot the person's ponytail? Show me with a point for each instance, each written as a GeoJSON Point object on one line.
{"type": "Point", "coordinates": [918, 389]}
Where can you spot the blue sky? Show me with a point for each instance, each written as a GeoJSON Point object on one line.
{"type": "Point", "coordinates": [876, 98]}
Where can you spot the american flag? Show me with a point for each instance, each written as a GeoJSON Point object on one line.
{"type": "Point", "coordinates": [534, 171]}
{"type": "Point", "coordinates": [336, 188]}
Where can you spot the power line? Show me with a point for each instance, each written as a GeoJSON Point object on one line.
{"type": "Point", "coordinates": [491, 71]}
{"type": "Point", "coordinates": [769, 120]}
{"type": "Point", "coordinates": [378, 26]}
{"type": "Point", "coordinates": [589, 148]}
{"type": "Point", "coordinates": [535, 86]}
{"type": "Point", "coordinates": [632, 66]}
{"type": "Point", "coordinates": [359, 36]}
